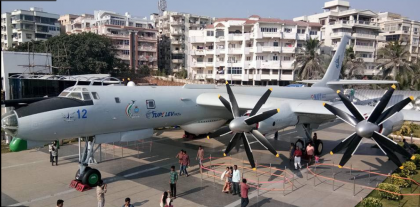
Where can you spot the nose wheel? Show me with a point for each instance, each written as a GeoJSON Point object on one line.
{"type": "Point", "coordinates": [87, 175]}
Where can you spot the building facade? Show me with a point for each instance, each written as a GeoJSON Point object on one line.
{"type": "Point", "coordinates": [135, 38]}
{"type": "Point", "coordinates": [362, 25]}
{"type": "Point", "coordinates": [248, 51]}
{"type": "Point", "coordinates": [173, 37]}
{"type": "Point", "coordinates": [396, 27]}
{"type": "Point", "coordinates": [22, 26]}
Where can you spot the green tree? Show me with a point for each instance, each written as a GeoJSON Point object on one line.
{"type": "Point", "coordinates": [144, 70]}
{"type": "Point", "coordinates": [394, 61]}
{"type": "Point", "coordinates": [309, 63]}
{"type": "Point", "coordinates": [353, 66]}
{"type": "Point", "coordinates": [85, 53]}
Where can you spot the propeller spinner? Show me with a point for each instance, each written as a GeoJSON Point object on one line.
{"type": "Point", "coordinates": [243, 126]}
{"type": "Point", "coordinates": [370, 127]}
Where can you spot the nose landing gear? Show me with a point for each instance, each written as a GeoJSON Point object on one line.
{"type": "Point", "coordinates": [87, 175]}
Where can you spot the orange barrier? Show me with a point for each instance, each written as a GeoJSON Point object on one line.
{"type": "Point", "coordinates": [362, 186]}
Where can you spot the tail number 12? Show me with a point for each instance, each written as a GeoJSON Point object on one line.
{"type": "Point", "coordinates": [82, 114]}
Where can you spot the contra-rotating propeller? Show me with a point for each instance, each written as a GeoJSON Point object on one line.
{"type": "Point", "coordinates": [241, 125]}
{"type": "Point", "coordinates": [370, 127]}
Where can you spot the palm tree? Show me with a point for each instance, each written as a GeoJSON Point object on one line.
{"type": "Point", "coordinates": [352, 65]}
{"type": "Point", "coordinates": [309, 63]}
{"type": "Point", "coordinates": [394, 57]}
{"type": "Point", "coordinates": [414, 79]}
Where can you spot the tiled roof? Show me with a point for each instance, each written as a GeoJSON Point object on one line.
{"type": "Point", "coordinates": [268, 20]}
{"type": "Point", "coordinates": [210, 26]}
{"type": "Point", "coordinates": [230, 19]}
{"type": "Point", "coordinates": [255, 16]}
{"type": "Point", "coordinates": [220, 25]}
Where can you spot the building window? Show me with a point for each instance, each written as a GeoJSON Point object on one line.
{"type": "Point", "coordinates": [260, 57]}
{"type": "Point", "coordinates": [234, 70]}
{"type": "Point", "coordinates": [275, 58]}
{"type": "Point", "coordinates": [275, 44]}
{"type": "Point", "coordinates": [210, 60]}
{"type": "Point", "coordinates": [264, 29]}
{"type": "Point", "coordinates": [287, 30]}
{"type": "Point", "coordinates": [313, 32]}
{"type": "Point", "coordinates": [126, 52]}
{"type": "Point", "coordinates": [210, 33]}
{"type": "Point", "coordinates": [286, 58]}
{"type": "Point", "coordinates": [287, 72]}
{"type": "Point", "coordinates": [248, 58]}
{"type": "Point", "coordinates": [265, 71]}
{"type": "Point", "coordinates": [28, 36]}
{"type": "Point", "coordinates": [126, 42]}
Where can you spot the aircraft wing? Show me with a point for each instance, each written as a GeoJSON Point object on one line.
{"type": "Point", "coordinates": [352, 82]}
{"type": "Point", "coordinates": [315, 107]}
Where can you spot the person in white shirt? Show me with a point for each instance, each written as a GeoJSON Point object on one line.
{"type": "Point", "coordinates": [236, 178]}
{"type": "Point", "coordinates": [50, 146]}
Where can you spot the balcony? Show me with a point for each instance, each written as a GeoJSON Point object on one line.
{"type": "Point", "coordinates": [142, 58]}
{"type": "Point", "coordinates": [247, 50]}
{"type": "Point", "coordinates": [176, 23]}
{"type": "Point", "coordinates": [364, 48]}
{"type": "Point", "coordinates": [270, 64]}
{"type": "Point", "coordinates": [198, 64]}
{"type": "Point", "coordinates": [119, 35]}
{"type": "Point", "coordinates": [287, 64]}
{"type": "Point", "coordinates": [208, 64]}
{"type": "Point", "coordinates": [368, 60]}
{"type": "Point", "coordinates": [145, 48]}
{"type": "Point", "coordinates": [196, 40]}
{"type": "Point", "coordinates": [271, 34]}
{"type": "Point", "coordinates": [177, 51]}
{"type": "Point", "coordinates": [364, 36]}
{"type": "Point", "coordinates": [290, 36]}
{"type": "Point", "coordinates": [302, 36]}
{"type": "Point", "coordinates": [177, 60]}
{"type": "Point", "coordinates": [123, 57]}
{"type": "Point", "coordinates": [341, 24]}
{"type": "Point", "coordinates": [288, 49]}
{"type": "Point", "coordinates": [210, 52]}
{"type": "Point", "coordinates": [381, 38]}
{"type": "Point", "coordinates": [210, 39]}
{"type": "Point", "coordinates": [220, 38]}
{"type": "Point", "coordinates": [175, 42]}
{"type": "Point", "coordinates": [366, 24]}
{"type": "Point", "coordinates": [198, 52]}
{"type": "Point", "coordinates": [176, 33]}
{"type": "Point", "coordinates": [270, 49]}
{"type": "Point", "coordinates": [127, 47]}
{"type": "Point", "coordinates": [234, 51]}
{"type": "Point", "coordinates": [339, 35]}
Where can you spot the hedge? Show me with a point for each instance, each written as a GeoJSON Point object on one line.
{"type": "Point", "coordinates": [391, 188]}
{"type": "Point", "coordinates": [397, 179]}
{"type": "Point", "coordinates": [371, 202]}
{"type": "Point", "coordinates": [409, 168]}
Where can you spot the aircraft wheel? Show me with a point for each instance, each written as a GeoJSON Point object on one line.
{"type": "Point", "coordinates": [78, 176]}
{"type": "Point", "coordinates": [319, 147]}
{"type": "Point", "coordinates": [299, 143]}
{"type": "Point", "coordinates": [91, 177]}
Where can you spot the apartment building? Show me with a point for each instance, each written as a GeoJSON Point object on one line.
{"type": "Point", "coordinates": [22, 26]}
{"type": "Point", "coordinates": [338, 19]}
{"type": "Point", "coordinates": [248, 51]}
{"type": "Point", "coordinates": [396, 27]}
{"type": "Point", "coordinates": [66, 20]}
{"type": "Point", "coordinates": [135, 38]}
{"type": "Point", "coordinates": [173, 37]}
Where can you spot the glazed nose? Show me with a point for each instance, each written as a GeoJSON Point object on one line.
{"type": "Point", "coordinates": [9, 123]}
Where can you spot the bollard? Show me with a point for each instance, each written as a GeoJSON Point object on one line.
{"type": "Point", "coordinates": [214, 178]}
{"type": "Point", "coordinates": [243, 169]}
{"type": "Point", "coordinates": [333, 182]}
{"type": "Point", "coordinates": [351, 168]}
{"type": "Point", "coordinates": [284, 187]}
{"type": "Point", "coordinates": [314, 179]}
{"type": "Point", "coordinates": [270, 170]}
{"type": "Point", "coordinates": [80, 159]}
{"type": "Point", "coordinates": [256, 170]}
{"type": "Point", "coordinates": [293, 181]}
{"type": "Point", "coordinates": [100, 152]}
{"type": "Point", "coordinates": [354, 186]}
{"type": "Point", "coordinates": [258, 189]}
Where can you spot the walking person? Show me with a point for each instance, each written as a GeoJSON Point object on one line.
{"type": "Point", "coordinates": [100, 193]}
{"type": "Point", "coordinates": [179, 156]}
{"type": "Point", "coordinates": [230, 179]}
{"type": "Point", "coordinates": [315, 141]}
{"type": "Point", "coordinates": [236, 178]}
{"type": "Point", "coordinates": [127, 203]}
{"type": "Point", "coordinates": [54, 153]}
{"type": "Point", "coordinates": [310, 152]}
{"type": "Point", "coordinates": [244, 193]}
{"type": "Point", "coordinates": [298, 156]}
{"type": "Point", "coordinates": [225, 176]}
{"type": "Point", "coordinates": [291, 152]}
{"type": "Point", "coordinates": [172, 182]}
{"type": "Point", "coordinates": [50, 150]}
{"type": "Point", "coordinates": [60, 203]}
{"type": "Point", "coordinates": [185, 163]}
{"type": "Point", "coordinates": [200, 157]}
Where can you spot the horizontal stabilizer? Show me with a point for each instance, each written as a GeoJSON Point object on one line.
{"type": "Point", "coordinates": [309, 81]}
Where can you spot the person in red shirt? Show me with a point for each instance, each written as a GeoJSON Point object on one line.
{"type": "Point", "coordinates": [244, 193]}
{"type": "Point", "coordinates": [185, 163]}
{"type": "Point", "coordinates": [298, 156]}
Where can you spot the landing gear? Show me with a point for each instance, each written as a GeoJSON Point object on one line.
{"type": "Point", "coordinates": [319, 146]}
{"type": "Point", "coordinates": [299, 143]}
{"type": "Point", "coordinates": [276, 136]}
{"type": "Point", "coordinates": [305, 131]}
{"type": "Point", "coordinates": [87, 175]}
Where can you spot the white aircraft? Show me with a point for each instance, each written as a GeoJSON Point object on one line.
{"type": "Point", "coordinates": [127, 113]}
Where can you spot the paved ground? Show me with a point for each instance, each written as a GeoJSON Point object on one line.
{"type": "Point", "coordinates": [139, 170]}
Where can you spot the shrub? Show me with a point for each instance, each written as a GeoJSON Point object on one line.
{"type": "Point", "coordinates": [391, 188]}
{"type": "Point", "coordinates": [409, 168]}
{"type": "Point", "coordinates": [397, 179]}
{"type": "Point", "coordinates": [416, 159]}
{"type": "Point", "coordinates": [371, 202]}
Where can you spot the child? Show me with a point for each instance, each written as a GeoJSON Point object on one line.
{"type": "Point", "coordinates": [316, 159]}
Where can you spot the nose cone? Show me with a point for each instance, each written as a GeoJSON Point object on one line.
{"type": "Point", "coordinates": [366, 129]}
{"type": "Point", "coordinates": [238, 125]}
{"type": "Point", "coordinates": [9, 123]}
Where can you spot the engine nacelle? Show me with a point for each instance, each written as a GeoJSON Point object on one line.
{"type": "Point", "coordinates": [278, 121]}
{"type": "Point", "coordinates": [392, 124]}
{"type": "Point", "coordinates": [203, 126]}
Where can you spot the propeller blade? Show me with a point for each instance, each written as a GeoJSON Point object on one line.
{"type": "Point", "coordinates": [225, 103]}
{"type": "Point", "coordinates": [248, 151]}
{"type": "Point", "coordinates": [261, 117]}
{"type": "Point", "coordinates": [354, 144]}
{"type": "Point", "coordinates": [264, 142]}
{"type": "Point", "coordinates": [350, 106]}
{"type": "Point", "coordinates": [232, 143]}
{"type": "Point", "coordinates": [391, 145]}
{"type": "Point", "coordinates": [219, 132]}
{"type": "Point", "coordinates": [343, 144]}
{"type": "Point", "coordinates": [261, 102]}
{"type": "Point", "coordinates": [234, 104]}
{"type": "Point", "coordinates": [393, 110]}
{"type": "Point", "coordinates": [380, 106]}
{"type": "Point", "coordinates": [349, 119]}
{"type": "Point", "coordinates": [238, 143]}
{"type": "Point", "coordinates": [390, 154]}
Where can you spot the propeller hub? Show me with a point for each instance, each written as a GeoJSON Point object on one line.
{"type": "Point", "coordinates": [366, 129]}
{"type": "Point", "coordinates": [238, 125]}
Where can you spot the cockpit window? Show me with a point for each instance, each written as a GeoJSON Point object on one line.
{"type": "Point", "coordinates": [95, 95]}
{"type": "Point", "coordinates": [86, 96]}
{"type": "Point", "coordinates": [63, 94]}
{"type": "Point", "coordinates": [75, 95]}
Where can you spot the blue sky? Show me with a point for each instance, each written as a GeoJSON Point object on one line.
{"type": "Point", "coordinates": [218, 8]}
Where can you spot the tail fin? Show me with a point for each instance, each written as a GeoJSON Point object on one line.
{"type": "Point", "coordinates": [333, 71]}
